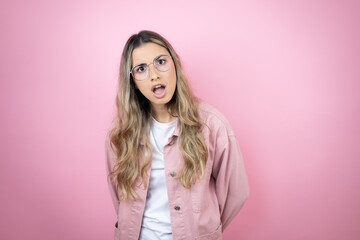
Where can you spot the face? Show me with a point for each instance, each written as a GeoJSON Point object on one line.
{"type": "Point", "coordinates": [149, 87]}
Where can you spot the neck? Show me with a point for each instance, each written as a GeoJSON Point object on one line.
{"type": "Point", "coordinates": [161, 114]}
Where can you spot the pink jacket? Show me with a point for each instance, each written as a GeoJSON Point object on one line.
{"type": "Point", "coordinates": [207, 208]}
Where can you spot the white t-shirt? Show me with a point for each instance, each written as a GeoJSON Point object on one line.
{"type": "Point", "coordinates": [156, 222]}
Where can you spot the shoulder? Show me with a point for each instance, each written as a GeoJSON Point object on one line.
{"type": "Point", "coordinates": [214, 119]}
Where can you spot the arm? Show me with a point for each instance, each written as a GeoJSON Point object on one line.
{"type": "Point", "coordinates": [232, 187]}
{"type": "Point", "coordinates": [110, 161]}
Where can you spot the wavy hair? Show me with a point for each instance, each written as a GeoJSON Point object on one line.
{"type": "Point", "coordinates": [133, 117]}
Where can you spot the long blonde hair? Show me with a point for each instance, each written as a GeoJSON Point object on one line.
{"type": "Point", "coordinates": [132, 120]}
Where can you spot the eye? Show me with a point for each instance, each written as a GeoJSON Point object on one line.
{"type": "Point", "coordinates": [161, 60]}
{"type": "Point", "coordinates": [140, 69]}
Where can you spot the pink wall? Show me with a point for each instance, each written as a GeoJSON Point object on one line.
{"type": "Point", "coordinates": [285, 73]}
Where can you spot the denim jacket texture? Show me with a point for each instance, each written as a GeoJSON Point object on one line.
{"type": "Point", "coordinates": [207, 208]}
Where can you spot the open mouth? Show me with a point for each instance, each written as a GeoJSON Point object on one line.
{"type": "Point", "coordinates": [158, 89]}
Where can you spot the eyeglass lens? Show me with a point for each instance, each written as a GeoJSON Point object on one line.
{"type": "Point", "coordinates": [161, 63]}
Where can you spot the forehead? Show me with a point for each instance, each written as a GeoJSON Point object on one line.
{"type": "Point", "coordinates": [146, 53]}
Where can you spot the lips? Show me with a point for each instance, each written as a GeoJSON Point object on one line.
{"type": "Point", "coordinates": [159, 90]}
{"type": "Point", "coordinates": [157, 86]}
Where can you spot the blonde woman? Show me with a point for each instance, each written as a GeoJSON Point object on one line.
{"type": "Point", "coordinates": [174, 167]}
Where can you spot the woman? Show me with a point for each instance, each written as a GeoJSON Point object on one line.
{"type": "Point", "coordinates": [174, 167]}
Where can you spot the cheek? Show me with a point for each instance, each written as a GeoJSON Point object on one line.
{"type": "Point", "coordinates": [172, 75]}
{"type": "Point", "coordinates": [134, 83]}
{"type": "Point", "coordinates": [140, 86]}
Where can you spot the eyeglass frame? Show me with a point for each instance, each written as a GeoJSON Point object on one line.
{"type": "Point", "coordinates": [148, 66]}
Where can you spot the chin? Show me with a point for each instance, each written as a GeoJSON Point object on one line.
{"type": "Point", "coordinates": [161, 101]}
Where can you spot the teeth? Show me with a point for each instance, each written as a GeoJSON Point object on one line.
{"type": "Point", "coordinates": [157, 86]}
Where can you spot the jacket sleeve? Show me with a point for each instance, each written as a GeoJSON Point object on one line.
{"type": "Point", "coordinates": [232, 187]}
{"type": "Point", "coordinates": [110, 158]}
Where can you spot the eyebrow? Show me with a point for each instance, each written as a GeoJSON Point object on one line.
{"type": "Point", "coordinates": [150, 62]}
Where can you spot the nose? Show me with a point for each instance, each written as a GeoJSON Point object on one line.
{"type": "Point", "coordinates": [153, 73]}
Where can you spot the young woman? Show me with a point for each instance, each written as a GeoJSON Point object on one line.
{"type": "Point", "coordinates": [174, 167]}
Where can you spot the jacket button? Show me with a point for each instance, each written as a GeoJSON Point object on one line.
{"type": "Point", "coordinates": [177, 208]}
{"type": "Point", "coordinates": [173, 174]}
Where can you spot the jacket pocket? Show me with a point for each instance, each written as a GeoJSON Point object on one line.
{"type": "Point", "coordinates": [216, 235]}
{"type": "Point", "coordinates": [116, 232]}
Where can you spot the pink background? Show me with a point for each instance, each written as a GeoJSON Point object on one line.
{"type": "Point", "coordinates": [285, 73]}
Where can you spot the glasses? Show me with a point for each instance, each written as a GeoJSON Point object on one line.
{"type": "Point", "coordinates": [141, 71]}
